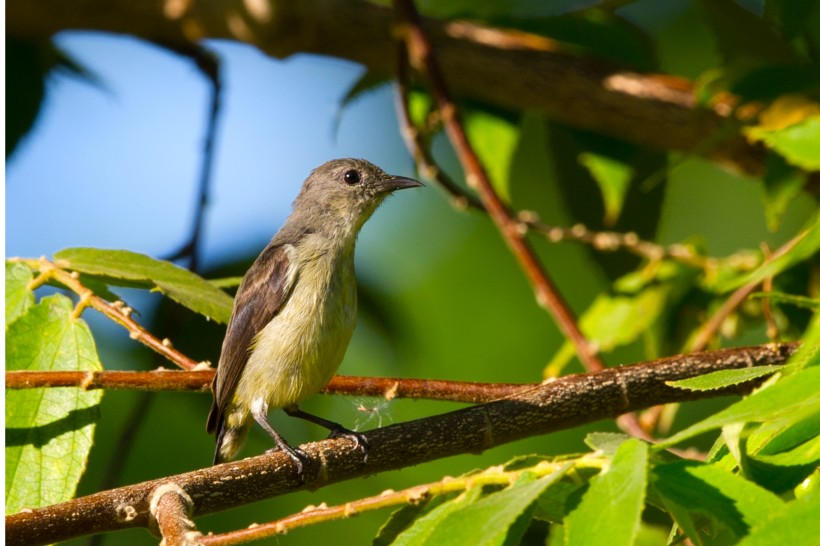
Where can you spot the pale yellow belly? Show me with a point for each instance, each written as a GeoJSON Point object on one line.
{"type": "Point", "coordinates": [299, 351]}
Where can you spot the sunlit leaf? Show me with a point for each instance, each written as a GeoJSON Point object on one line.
{"type": "Point", "coordinates": [494, 137]}
{"type": "Point", "coordinates": [795, 523]}
{"type": "Point", "coordinates": [613, 177]}
{"type": "Point", "coordinates": [494, 519]}
{"type": "Point", "coordinates": [790, 393]}
{"type": "Point", "coordinates": [48, 431]}
{"type": "Point", "coordinates": [18, 296]}
{"type": "Point", "coordinates": [708, 502]}
{"type": "Point", "coordinates": [424, 527]}
{"type": "Point", "coordinates": [179, 284]}
{"type": "Point", "coordinates": [610, 510]}
{"type": "Point", "coordinates": [723, 378]}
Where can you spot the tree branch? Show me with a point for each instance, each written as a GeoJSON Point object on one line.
{"type": "Point", "coordinates": [509, 68]}
{"type": "Point", "coordinates": [200, 380]}
{"type": "Point", "coordinates": [420, 53]}
{"type": "Point", "coordinates": [560, 404]}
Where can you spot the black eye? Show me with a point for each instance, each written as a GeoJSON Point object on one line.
{"type": "Point", "coordinates": [352, 177]}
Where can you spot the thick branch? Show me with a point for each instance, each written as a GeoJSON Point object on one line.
{"type": "Point", "coordinates": [509, 68]}
{"type": "Point", "coordinates": [560, 404]}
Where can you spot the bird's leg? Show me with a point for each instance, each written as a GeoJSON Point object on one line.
{"type": "Point", "coordinates": [260, 415]}
{"type": "Point", "coordinates": [336, 430]}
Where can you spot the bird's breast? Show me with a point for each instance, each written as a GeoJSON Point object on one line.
{"type": "Point", "coordinates": [301, 348]}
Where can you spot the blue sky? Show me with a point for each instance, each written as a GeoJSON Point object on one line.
{"type": "Point", "coordinates": [116, 165]}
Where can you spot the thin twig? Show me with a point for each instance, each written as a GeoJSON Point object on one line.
{"type": "Point", "coordinates": [421, 55]}
{"type": "Point", "coordinates": [711, 327]}
{"type": "Point", "coordinates": [116, 313]}
{"type": "Point", "coordinates": [200, 381]}
{"type": "Point", "coordinates": [561, 404]}
{"type": "Point", "coordinates": [387, 499]}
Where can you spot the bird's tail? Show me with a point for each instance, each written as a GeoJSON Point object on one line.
{"type": "Point", "coordinates": [229, 440]}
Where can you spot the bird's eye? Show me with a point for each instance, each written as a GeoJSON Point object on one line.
{"type": "Point", "coordinates": [352, 177]}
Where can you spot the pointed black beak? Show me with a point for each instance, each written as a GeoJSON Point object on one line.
{"type": "Point", "coordinates": [399, 183]}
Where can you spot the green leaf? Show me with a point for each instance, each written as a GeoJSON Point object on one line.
{"type": "Point", "coordinates": [707, 501]}
{"type": "Point", "coordinates": [795, 392]}
{"type": "Point", "coordinates": [495, 138]}
{"type": "Point", "coordinates": [613, 177]}
{"type": "Point", "coordinates": [791, 441]}
{"type": "Point", "coordinates": [618, 320]}
{"type": "Point", "coordinates": [806, 247]}
{"type": "Point", "coordinates": [798, 143]}
{"type": "Point", "coordinates": [179, 284]}
{"type": "Point", "coordinates": [403, 518]}
{"type": "Point", "coordinates": [807, 453]}
{"type": "Point", "coordinates": [793, 524]}
{"type": "Point", "coordinates": [18, 296]}
{"type": "Point", "coordinates": [495, 519]}
{"type": "Point", "coordinates": [424, 527]}
{"type": "Point", "coordinates": [610, 510]}
{"type": "Point", "coordinates": [48, 431]}
{"type": "Point", "coordinates": [723, 378]}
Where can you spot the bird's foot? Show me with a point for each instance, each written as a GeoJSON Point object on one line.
{"type": "Point", "coordinates": [359, 439]}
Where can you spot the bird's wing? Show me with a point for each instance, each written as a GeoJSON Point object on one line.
{"type": "Point", "coordinates": [260, 297]}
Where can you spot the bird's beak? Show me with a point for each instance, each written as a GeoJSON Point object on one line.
{"type": "Point", "coordinates": [399, 183]}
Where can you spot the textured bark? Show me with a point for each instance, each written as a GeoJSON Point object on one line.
{"type": "Point", "coordinates": [560, 404]}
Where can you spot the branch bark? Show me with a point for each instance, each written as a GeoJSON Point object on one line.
{"type": "Point", "coordinates": [508, 68]}
{"type": "Point", "coordinates": [560, 404]}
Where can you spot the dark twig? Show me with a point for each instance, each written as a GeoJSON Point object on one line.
{"type": "Point", "coordinates": [421, 56]}
{"type": "Point", "coordinates": [116, 313]}
{"type": "Point", "coordinates": [561, 404]}
{"type": "Point", "coordinates": [209, 66]}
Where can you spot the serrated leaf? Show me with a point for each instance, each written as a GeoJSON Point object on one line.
{"type": "Point", "coordinates": [723, 378]}
{"type": "Point", "coordinates": [806, 247]}
{"type": "Point", "coordinates": [707, 501]}
{"type": "Point", "coordinates": [795, 523]}
{"type": "Point", "coordinates": [791, 393]}
{"type": "Point", "coordinates": [179, 284]}
{"type": "Point", "coordinates": [420, 532]}
{"type": "Point", "coordinates": [494, 519]}
{"type": "Point", "coordinates": [610, 510]}
{"type": "Point", "coordinates": [48, 431]}
{"type": "Point", "coordinates": [495, 138]}
{"type": "Point", "coordinates": [18, 296]}
{"type": "Point", "coordinates": [613, 177]}
{"type": "Point", "coordinates": [401, 519]}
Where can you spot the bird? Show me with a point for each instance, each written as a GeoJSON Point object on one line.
{"type": "Point", "coordinates": [295, 310]}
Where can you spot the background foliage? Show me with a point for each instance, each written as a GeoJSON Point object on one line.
{"type": "Point", "coordinates": [443, 298]}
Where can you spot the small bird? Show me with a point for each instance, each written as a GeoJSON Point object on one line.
{"type": "Point", "coordinates": [295, 310]}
